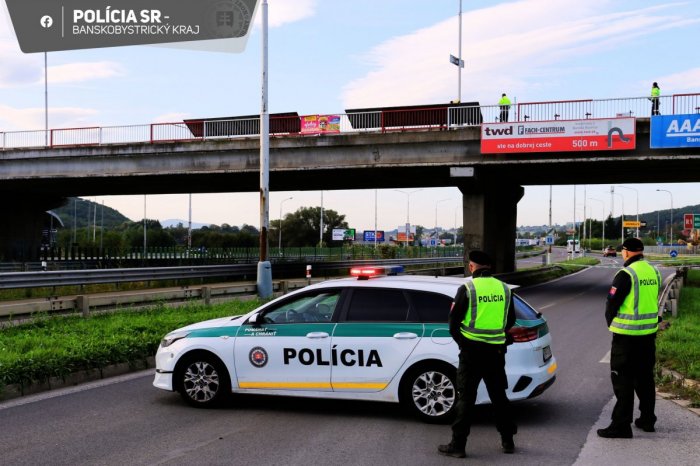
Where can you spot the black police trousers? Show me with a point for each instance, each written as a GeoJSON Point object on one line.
{"type": "Point", "coordinates": [479, 361]}
{"type": "Point", "coordinates": [632, 360]}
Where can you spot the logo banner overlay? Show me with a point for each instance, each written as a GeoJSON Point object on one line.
{"type": "Point", "coordinates": [559, 136]}
{"type": "Point", "coordinates": [48, 25]}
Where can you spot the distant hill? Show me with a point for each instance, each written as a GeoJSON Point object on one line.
{"type": "Point", "coordinates": [85, 214]}
{"type": "Point", "coordinates": [660, 217]}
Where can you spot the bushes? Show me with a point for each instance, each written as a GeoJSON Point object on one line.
{"type": "Point", "coordinates": [58, 346]}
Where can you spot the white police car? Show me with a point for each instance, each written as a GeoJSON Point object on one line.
{"type": "Point", "coordinates": [382, 339]}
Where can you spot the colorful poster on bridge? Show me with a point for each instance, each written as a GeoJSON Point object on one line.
{"type": "Point", "coordinates": [669, 131]}
{"type": "Point", "coordinates": [558, 136]}
{"type": "Point", "coordinates": [316, 124]}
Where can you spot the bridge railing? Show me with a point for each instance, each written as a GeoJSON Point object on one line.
{"type": "Point", "coordinates": [408, 119]}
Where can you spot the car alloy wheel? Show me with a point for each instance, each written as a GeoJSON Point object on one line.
{"type": "Point", "coordinates": [430, 393]}
{"type": "Point", "coordinates": [203, 380]}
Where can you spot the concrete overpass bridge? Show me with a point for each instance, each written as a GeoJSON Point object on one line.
{"type": "Point", "coordinates": [365, 149]}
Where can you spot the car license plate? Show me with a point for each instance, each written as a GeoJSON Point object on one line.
{"type": "Point", "coordinates": [546, 353]}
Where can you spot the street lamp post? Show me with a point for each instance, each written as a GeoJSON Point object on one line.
{"type": "Point", "coordinates": [622, 218]}
{"type": "Point", "coordinates": [280, 227]}
{"type": "Point", "coordinates": [603, 203]}
{"type": "Point", "coordinates": [670, 194]}
{"type": "Point", "coordinates": [408, 209]}
{"type": "Point", "coordinates": [637, 192]}
{"type": "Point", "coordinates": [436, 220]}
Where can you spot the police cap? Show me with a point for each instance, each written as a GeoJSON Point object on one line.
{"type": "Point", "coordinates": [479, 257]}
{"type": "Point", "coordinates": [633, 245]}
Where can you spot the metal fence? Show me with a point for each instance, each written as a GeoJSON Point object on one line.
{"type": "Point", "coordinates": [409, 119]}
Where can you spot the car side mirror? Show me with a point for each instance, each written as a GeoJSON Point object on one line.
{"type": "Point", "coordinates": [256, 319]}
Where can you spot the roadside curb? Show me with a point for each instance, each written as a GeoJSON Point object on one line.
{"type": "Point", "coordinates": [13, 391]}
{"type": "Point", "coordinates": [685, 382]}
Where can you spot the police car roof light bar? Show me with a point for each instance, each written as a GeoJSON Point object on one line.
{"type": "Point", "coordinates": [364, 273]}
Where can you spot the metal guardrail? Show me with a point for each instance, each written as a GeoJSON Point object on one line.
{"type": "Point", "coordinates": [15, 280]}
{"type": "Point", "coordinates": [409, 119]}
{"type": "Point", "coordinates": [668, 299]}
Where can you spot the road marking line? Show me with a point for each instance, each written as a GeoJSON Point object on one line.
{"type": "Point", "coordinates": [606, 358]}
{"type": "Point", "coordinates": [70, 390]}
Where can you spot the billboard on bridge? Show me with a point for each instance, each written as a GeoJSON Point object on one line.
{"type": "Point", "coordinates": [559, 136]}
{"type": "Point", "coordinates": [669, 131]}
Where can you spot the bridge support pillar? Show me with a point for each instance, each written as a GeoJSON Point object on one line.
{"type": "Point", "coordinates": [490, 220]}
{"type": "Point", "coordinates": [24, 218]}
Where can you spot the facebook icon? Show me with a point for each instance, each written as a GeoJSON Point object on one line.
{"type": "Point", "coordinates": [46, 21]}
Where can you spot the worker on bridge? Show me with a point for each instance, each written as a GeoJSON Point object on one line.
{"type": "Point", "coordinates": [504, 104]}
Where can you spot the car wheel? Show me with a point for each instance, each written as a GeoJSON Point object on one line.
{"type": "Point", "coordinates": [430, 392]}
{"type": "Point", "coordinates": [203, 380]}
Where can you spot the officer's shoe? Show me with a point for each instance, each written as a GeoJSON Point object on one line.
{"type": "Point", "coordinates": [507, 444]}
{"type": "Point", "coordinates": [451, 450]}
{"type": "Point", "coordinates": [615, 432]}
{"type": "Point", "coordinates": [645, 426]}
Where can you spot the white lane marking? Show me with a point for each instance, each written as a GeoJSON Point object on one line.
{"type": "Point", "coordinates": [77, 389]}
{"type": "Point", "coordinates": [606, 358]}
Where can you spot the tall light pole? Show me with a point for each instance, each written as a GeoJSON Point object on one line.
{"type": "Point", "coordinates": [455, 235]}
{"type": "Point", "coordinates": [280, 228]}
{"type": "Point", "coordinates": [320, 229]}
{"type": "Point", "coordinates": [637, 192]}
{"type": "Point", "coordinates": [670, 194]}
{"type": "Point", "coordinates": [408, 209]}
{"type": "Point", "coordinates": [622, 218]}
{"type": "Point", "coordinates": [436, 222]}
{"type": "Point", "coordinates": [603, 203]}
{"type": "Point", "coordinates": [46, 100]}
{"type": "Point", "coordinates": [460, 64]}
{"type": "Point", "coordinates": [264, 276]}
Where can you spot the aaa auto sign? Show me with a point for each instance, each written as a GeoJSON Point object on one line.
{"type": "Point", "coordinates": [669, 131]}
{"type": "Point", "coordinates": [558, 136]}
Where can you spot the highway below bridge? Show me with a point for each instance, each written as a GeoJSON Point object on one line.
{"type": "Point", "coordinates": [398, 157]}
{"type": "Point", "coordinates": [127, 421]}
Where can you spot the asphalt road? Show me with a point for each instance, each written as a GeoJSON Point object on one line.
{"type": "Point", "coordinates": [127, 421]}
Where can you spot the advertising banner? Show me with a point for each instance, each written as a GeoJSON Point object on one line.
{"type": "Point", "coordinates": [368, 236]}
{"type": "Point", "coordinates": [558, 136]}
{"type": "Point", "coordinates": [672, 131]}
{"type": "Point", "coordinates": [340, 234]}
{"type": "Point", "coordinates": [48, 25]}
{"type": "Point", "coordinates": [320, 124]}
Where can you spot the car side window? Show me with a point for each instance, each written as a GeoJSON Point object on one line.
{"type": "Point", "coordinates": [431, 307]}
{"type": "Point", "coordinates": [308, 307]}
{"type": "Point", "coordinates": [377, 305]}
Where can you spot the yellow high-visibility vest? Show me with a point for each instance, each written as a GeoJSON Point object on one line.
{"type": "Point", "coordinates": [485, 320]}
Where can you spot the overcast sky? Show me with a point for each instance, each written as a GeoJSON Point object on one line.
{"type": "Point", "coordinates": [328, 56]}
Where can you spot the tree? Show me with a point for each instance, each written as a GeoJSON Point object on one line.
{"type": "Point", "coordinates": [301, 228]}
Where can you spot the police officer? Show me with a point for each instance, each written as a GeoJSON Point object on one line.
{"type": "Point", "coordinates": [655, 94]}
{"type": "Point", "coordinates": [632, 316]}
{"type": "Point", "coordinates": [504, 103]}
{"type": "Point", "coordinates": [481, 315]}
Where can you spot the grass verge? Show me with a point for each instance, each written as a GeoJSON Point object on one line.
{"type": "Point", "coordinates": [60, 345]}
{"type": "Point", "coordinates": [678, 347]}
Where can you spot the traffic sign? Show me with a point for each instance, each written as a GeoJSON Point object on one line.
{"type": "Point", "coordinates": [631, 224]}
{"type": "Point", "coordinates": [549, 239]}
{"type": "Point", "coordinates": [691, 221]}
{"type": "Point", "coordinates": [673, 253]}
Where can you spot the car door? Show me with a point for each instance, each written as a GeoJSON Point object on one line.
{"type": "Point", "coordinates": [290, 349]}
{"type": "Point", "coordinates": [376, 333]}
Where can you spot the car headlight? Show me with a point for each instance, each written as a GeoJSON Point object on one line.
{"type": "Point", "coordinates": [171, 338]}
